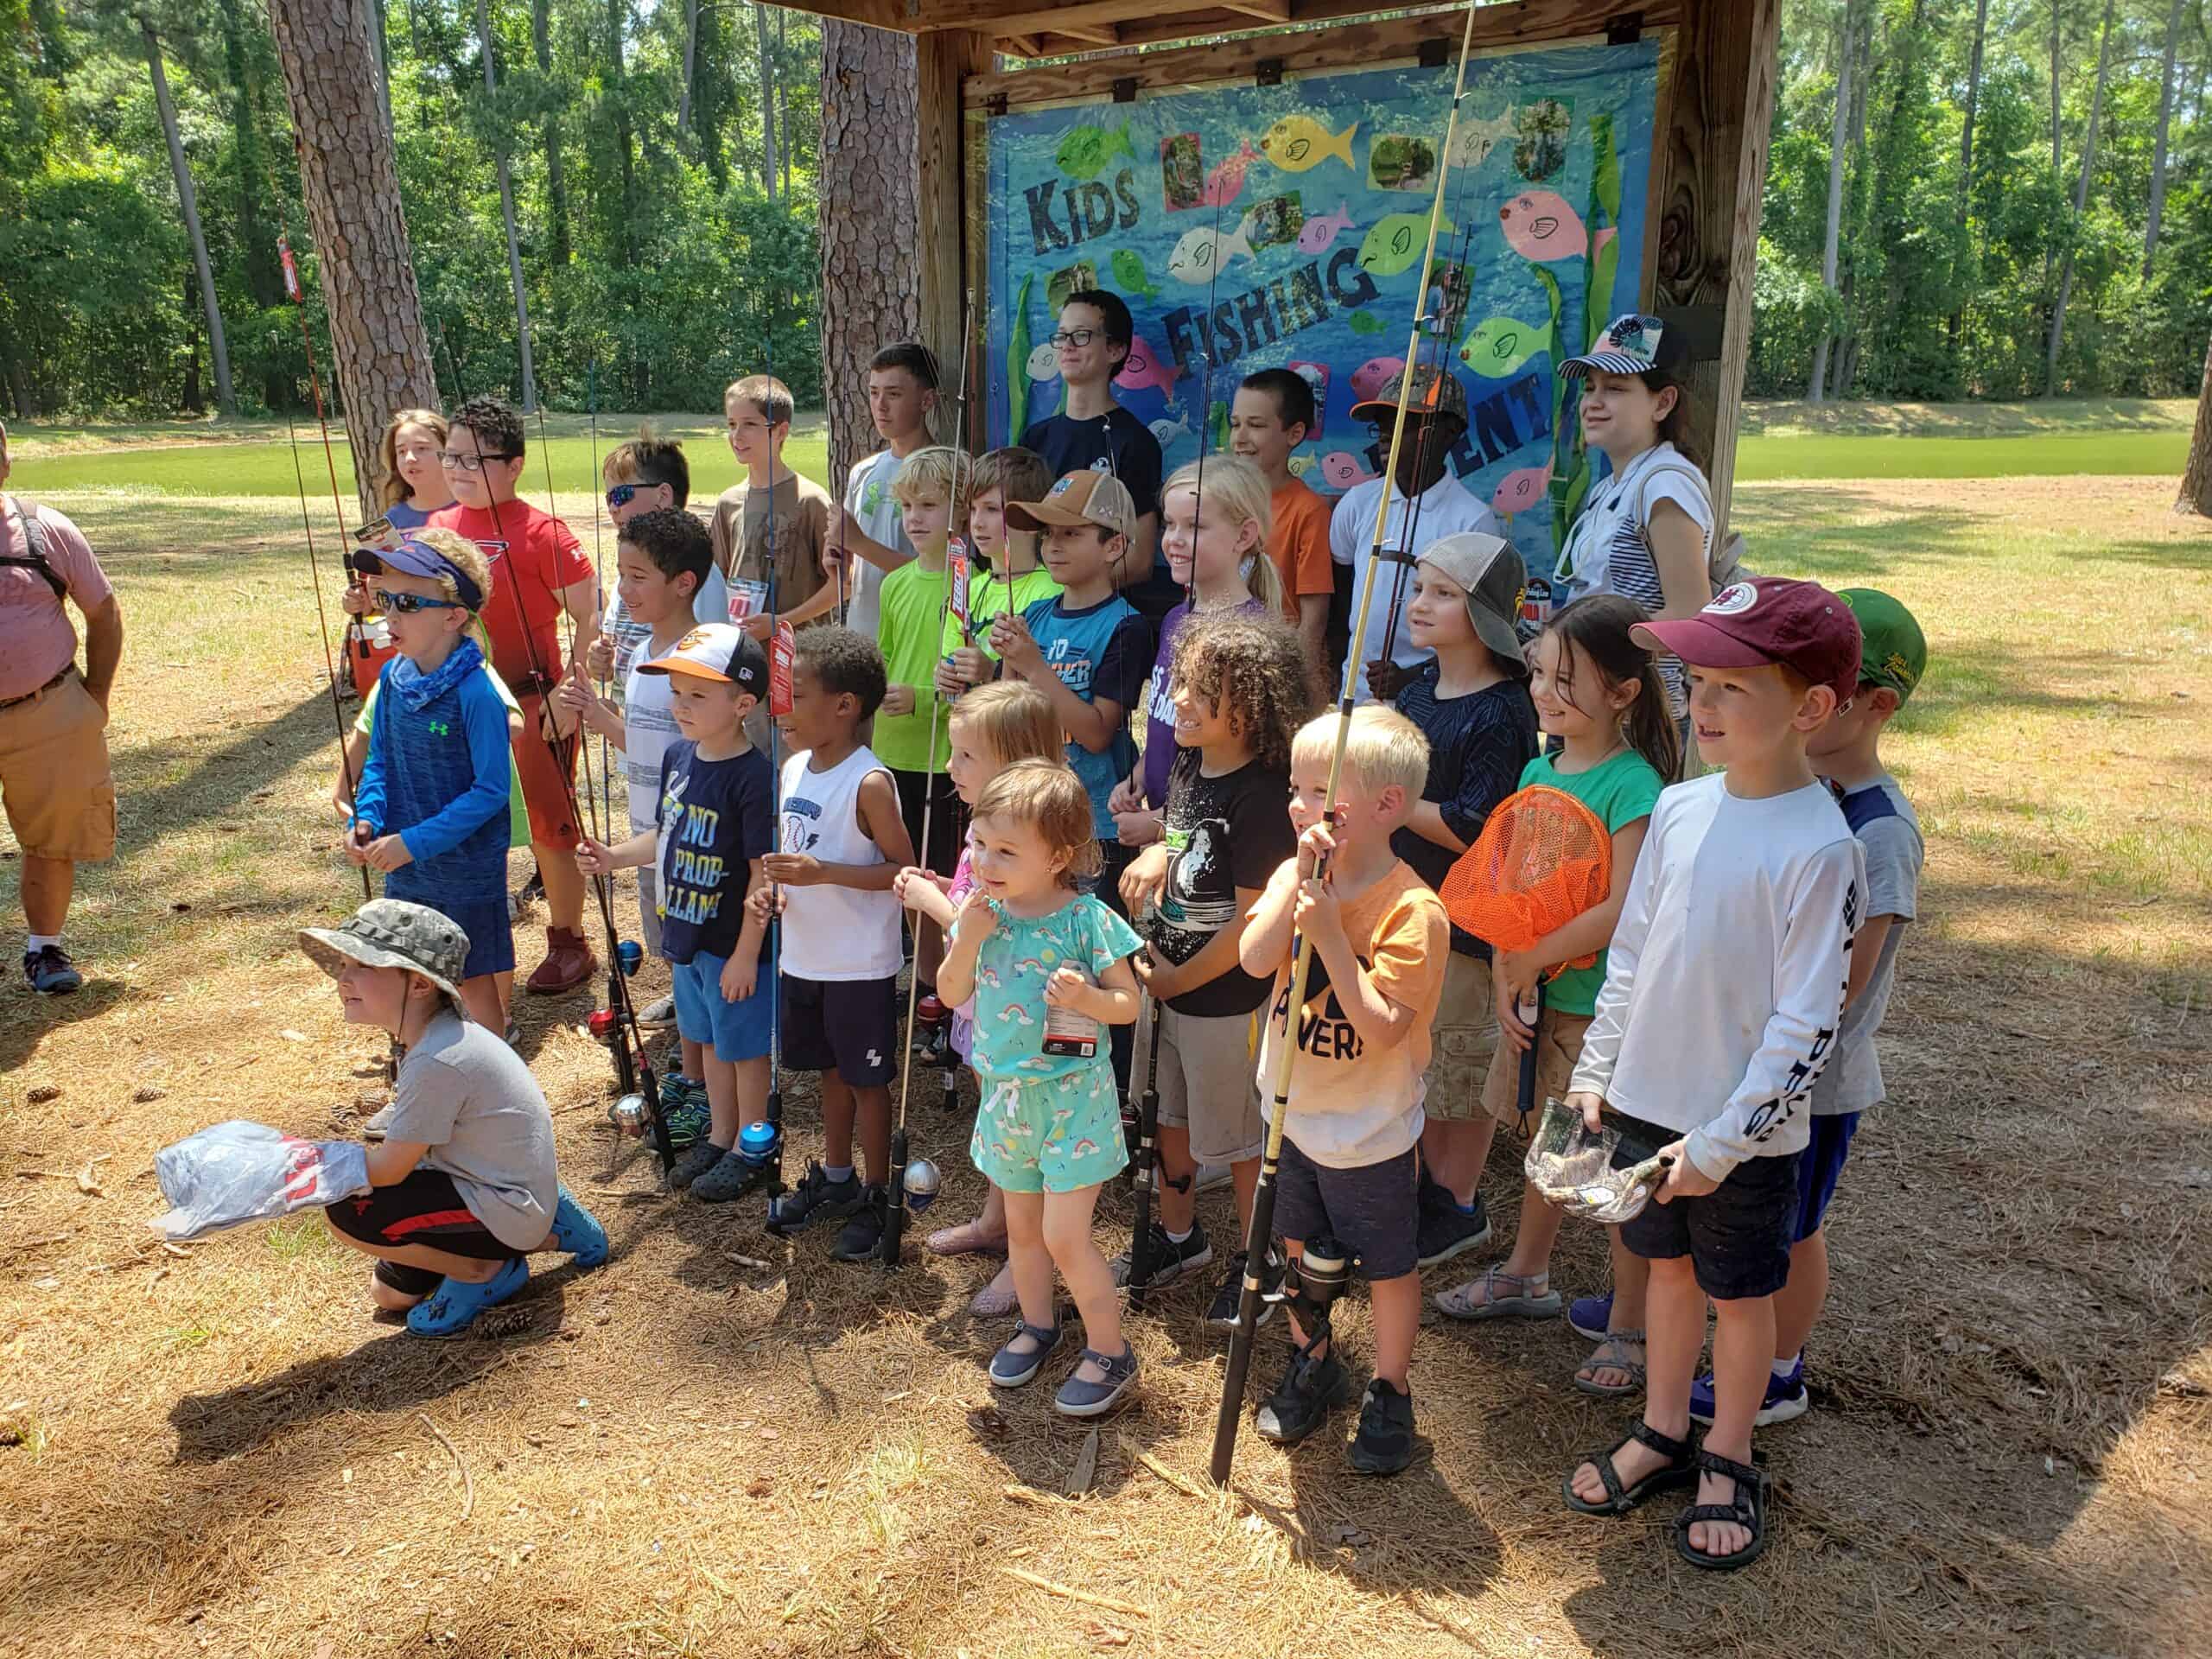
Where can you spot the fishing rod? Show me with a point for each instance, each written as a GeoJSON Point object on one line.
{"type": "Point", "coordinates": [1263, 1200]}
{"type": "Point", "coordinates": [916, 1183]}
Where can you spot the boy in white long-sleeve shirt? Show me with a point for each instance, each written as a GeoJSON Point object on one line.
{"type": "Point", "coordinates": [1724, 987]}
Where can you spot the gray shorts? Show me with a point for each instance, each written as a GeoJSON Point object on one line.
{"type": "Point", "coordinates": [1207, 1083]}
{"type": "Point", "coordinates": [1373, 1210]}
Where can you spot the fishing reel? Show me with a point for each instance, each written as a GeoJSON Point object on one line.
{"type": "Point", "coordinates": [922, 1185]}
{"type": "Point", "coordinates": [1312, 1284]}
{"type": "Point", "coordinates": [630, 1114]}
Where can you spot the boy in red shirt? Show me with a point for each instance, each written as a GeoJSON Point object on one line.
{"type": "Point", "coordinates": [537, 571]}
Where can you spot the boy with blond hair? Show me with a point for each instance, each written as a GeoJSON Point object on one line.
{"type": "Point", "coordinates": [1724, 989]}
{"type": "Point", "coordinates": [1379, 939]}
{"type": "Point", "coordinates": [770, 529]}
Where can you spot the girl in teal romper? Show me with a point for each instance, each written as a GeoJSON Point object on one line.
{"type": "Point", "coordinates": [1048, 966]}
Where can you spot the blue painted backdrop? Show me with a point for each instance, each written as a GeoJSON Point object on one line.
{"type": "Point", "coordinates": [1283, 226]}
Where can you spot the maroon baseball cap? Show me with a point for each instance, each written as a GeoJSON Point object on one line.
{"type": "Point", "coordinates": [1800, 625]}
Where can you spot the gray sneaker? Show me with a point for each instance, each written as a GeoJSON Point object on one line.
{"type": "Point", "coordinates": [1170, 1261]}
{"type": "Point", "coordinates": [1077, 1398]}
{"type": "Point", "coordinates": [658, 1016]}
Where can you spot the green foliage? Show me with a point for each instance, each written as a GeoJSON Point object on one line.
{"type": "Point", "coordinates": [661, 263]}
{"type": "Point", "coordinates": [1930, 307]}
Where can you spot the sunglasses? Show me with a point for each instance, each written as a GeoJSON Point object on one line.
{"type": "Point", "coordinates": [408, 604]}
{"type": "Point", "coordinates": [453, 463]}
{"type": "Point", "coordinates": [621, 495]}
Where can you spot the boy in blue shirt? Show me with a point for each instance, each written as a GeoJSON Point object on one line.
{"type": "Point", "coordinates": [715, 824]}
{"type": "Point", "coordinates": [430, 810]}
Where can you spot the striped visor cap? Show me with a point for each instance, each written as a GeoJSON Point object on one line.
{"type": "Point", "coordinates": [1632, 343]}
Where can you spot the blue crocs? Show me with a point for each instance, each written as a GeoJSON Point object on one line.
{"type": "Point", "coordinates": [576, 1230]}
{"type": "Point", "coordinates": [1786, 1400]}
{"type": "Point", "coordinates": [452, 1308]}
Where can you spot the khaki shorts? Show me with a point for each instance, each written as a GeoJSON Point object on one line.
{"type": "Point", "coordinates": [53, 777]}
{"type": "Point", "coordinates": [1208, 1082]}
{"type": "Point", "coordinates": [1465, 1038]}
{"type": "Point", "coordinates": [1558, 1046]}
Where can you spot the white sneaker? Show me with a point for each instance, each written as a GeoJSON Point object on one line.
{"type": "Point", "coordinates": [658, 1016]}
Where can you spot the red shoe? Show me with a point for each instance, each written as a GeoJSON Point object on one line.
{"type": "Point", "coordinates": [568, 962]}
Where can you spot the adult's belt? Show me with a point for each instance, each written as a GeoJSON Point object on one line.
{"type": "Point", "coordinates": [9, 702]}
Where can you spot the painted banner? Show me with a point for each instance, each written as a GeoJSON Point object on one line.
{"type": "Point", "coordinates": [1252, 228]}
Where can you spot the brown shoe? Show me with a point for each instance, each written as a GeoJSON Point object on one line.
{"type": "Point", "coordinates": [568, 962]}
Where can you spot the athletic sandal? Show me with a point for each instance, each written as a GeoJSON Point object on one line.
{"type": "Point", "coordinates": [1747, 1509]}
{"type": "Point", "coordinates": [1487, 1298]}
{"type": "Point", "coordinates": [452, 1308]}
{"type": "Point", "coordinates": [1010, 1370]}
{"type": "Point", "coordinates": [1077, 1398]}
{"type": "Point", "coordinates": [1611, 1354]}
{"type": "Point", "coordinates": [1680, 1468]}
{"type": "Point", "coordinates": [996, 1300]}
{"type": "Point", "coordinates": [969, 1238]}
{"type": "Point", "coordinates": [576, 1230]}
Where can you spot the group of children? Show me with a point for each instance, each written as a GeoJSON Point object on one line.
{"type": "Point", "coordinates": [958, 770]}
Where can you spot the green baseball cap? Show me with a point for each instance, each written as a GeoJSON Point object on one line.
{"type": "Point", "coordinates": [1892, 652]}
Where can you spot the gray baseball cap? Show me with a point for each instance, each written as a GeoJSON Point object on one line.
{"type": "Point", "coordinates": [1490, 568]}
{"type": "Point", "coordinates": [393, 933]}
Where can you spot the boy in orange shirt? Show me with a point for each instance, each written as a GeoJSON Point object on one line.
{"type": "Point", "coordinates": [1272, 416]}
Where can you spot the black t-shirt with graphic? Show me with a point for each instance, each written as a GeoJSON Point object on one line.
{"type": "Point", "coordinates": [1223, 833]}
{"type": "Point", "coordinates": [715, 817]}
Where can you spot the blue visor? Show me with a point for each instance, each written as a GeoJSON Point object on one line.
{"type": "Point", "coordinates": [414, 558]}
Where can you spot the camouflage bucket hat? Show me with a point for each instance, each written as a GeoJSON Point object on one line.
{"type": "Point", "coordinates": [393, 933]}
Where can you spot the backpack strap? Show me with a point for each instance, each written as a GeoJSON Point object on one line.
{"type": "Point", "coordinates": [34, 540]}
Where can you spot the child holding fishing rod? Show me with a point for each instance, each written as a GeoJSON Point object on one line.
{"type": "Point", "coordinates": [1235, 688]}
{"type": "Point", "coordinates": [1380, 937]}
{"type": "Point", "coordinates": [990, 728]}
{"type": "Point", "coordinates": [1017, 578]}
{"type": "Point", "coordinates": [714, 827]}
{"type": "Point", "coordinates": [429, 811]}
{"type": "Point", "coordinates": [1598, 692]}
{"type": "Point", "coordinates": [1049, 968]}
{"type": "Point", "coordinates": [1471, 701]}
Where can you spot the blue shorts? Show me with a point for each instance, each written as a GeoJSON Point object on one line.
{"type": "Point", "coordinates": [491, 934]}
{"type": "Point", "coordinates": [735, 1031]}
{"type": "Point", "coordinates": [1818, 1166]}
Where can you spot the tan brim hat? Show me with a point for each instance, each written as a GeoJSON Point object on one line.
{"type": "Point", "coordinates": [1081, 498]}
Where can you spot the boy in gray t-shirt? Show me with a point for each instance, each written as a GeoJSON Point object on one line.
{"type": "Point", "coordinates": [1893, 656]}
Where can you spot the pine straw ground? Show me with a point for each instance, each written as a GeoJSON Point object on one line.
{"type": "Point", "coordinates": [219, 1452]}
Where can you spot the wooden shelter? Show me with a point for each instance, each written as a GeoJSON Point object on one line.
{"type": "Point", "coordinates": [1715, 105]}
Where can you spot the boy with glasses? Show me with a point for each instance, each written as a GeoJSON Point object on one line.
{"type": "Point", "coordinates": [1094, 433]}
{"type": "Point", "coordinates": [539, 571]}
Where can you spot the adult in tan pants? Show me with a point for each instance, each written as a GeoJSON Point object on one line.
{"type": "Point", "coordinates": [55, 782]}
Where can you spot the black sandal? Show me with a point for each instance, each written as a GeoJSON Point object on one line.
{"type": "Point", "coordinates": [1747, 1509]}
{"type": "Point", "coordinates": [1681, 1466]}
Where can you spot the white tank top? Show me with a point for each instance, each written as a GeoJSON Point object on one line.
{"type": "Point", "coordinates": [834, 933]}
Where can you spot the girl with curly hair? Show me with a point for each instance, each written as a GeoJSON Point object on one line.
{"type": "Point", "coordinates": [1240, 691]}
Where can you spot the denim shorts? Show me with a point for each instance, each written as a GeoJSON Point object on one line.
{"type": "Point", "coordinates": [734, 1031]}
{"type": "Point", "coordinates": [1738, 1236]}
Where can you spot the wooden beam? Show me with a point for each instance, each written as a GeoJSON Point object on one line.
{"type": "Point", "coordinates": [1706, 209]}
{"type": "Point", "coordinates": [1003, 17]}
{"type": "Point", "coordinates": [943, 59]}
{"type": "Point", "coordinates": [1367, 45]}
{"type": "Point", "coordinates": [1273, 11]}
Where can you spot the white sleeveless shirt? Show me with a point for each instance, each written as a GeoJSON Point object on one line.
{"type": "Point", "coordinates": [834, 933]}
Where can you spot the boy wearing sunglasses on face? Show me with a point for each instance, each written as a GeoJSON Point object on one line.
{"type": "Point", "coordinates": [647, 474]}
{"type": "Point", "coordinates": [431, 807]}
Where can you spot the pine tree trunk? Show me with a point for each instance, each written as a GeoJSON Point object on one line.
{"type": "Point", "coordinates": [556, 189]}
{"type": "Point", "coordinates": [2158, 150]}
{"type": "Point", "coordinates": [690, 73]}
{"type": "Point", "coordinates": [870, 200]}
{"type": "Point", "coordinates": [507, 212]}
{"type": "Point", "coordinates": [625, 139]}
{"type": "Point", "coordinates": [784, 99]}
{"type": "Point", "coordinates": [2080, 206]}
{"type": "Point", "coordinates": [2196, 477]}
{"type": "Point", "coordinates": [380, 352]}
{"type": "Point", "coordinates": [188, 202]}
{"type": "Point", "coordinates": [1817, 383]}
{"type": "Point", "coordinates": [767, 103]}
{"type": "Point", "coordinates": [384, 59]}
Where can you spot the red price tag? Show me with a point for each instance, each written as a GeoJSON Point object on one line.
{"type": "Point", "coordinates": [956, 563]}
{"type": "Point", "coordinates": [781, 649]}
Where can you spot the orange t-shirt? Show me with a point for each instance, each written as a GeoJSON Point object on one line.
{"type": "Point", "coordinates": [1299, 543]}
{"type": "Point", "coordinates": [1351, 1107]}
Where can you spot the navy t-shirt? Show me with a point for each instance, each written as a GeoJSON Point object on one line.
{"type": "Point", "coordinates": [1072, 445]}
{"type": "Point", "coordinates": [1477, 746]}
{"type": "Point", "coordinates": [715, 817]}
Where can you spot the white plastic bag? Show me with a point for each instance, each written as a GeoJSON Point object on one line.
{"type": "Point", "coordinates": [238, 1172]}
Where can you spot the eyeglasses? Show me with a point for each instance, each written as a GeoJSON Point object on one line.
{"type": "Point", "coordinates": [408, 604]}
{"type": "Point", "coordinates": [621, 495]}
{"type": "Point", "coordinates": [1078, 338]}
{"type": "Point", "coordinates": [453, 463]}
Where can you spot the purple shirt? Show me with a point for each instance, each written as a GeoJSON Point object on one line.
{"type": "Point", "coordinates": [1160, 705]}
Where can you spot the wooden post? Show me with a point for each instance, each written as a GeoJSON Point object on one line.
{"type": "Point", "coordinates": [943, 59]}
{"type": "Point", "coordinates": [1713, 178]}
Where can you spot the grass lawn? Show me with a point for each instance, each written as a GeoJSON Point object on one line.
{"type": "Point", "coordinates": [725, 1443]}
